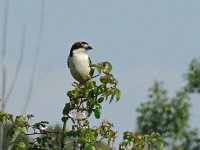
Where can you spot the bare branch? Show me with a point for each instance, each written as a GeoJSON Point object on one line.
{"type": "Point", "coordinates": [18, 66]}
{"type": "Point", "coordinates": [4, 49]}
{"type": "Point", "coordinates": [37, 51]}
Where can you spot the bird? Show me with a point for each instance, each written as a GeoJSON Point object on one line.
{"type": "Point", "coordinates": [79, 62]}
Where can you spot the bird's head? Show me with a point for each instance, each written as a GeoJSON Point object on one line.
{"type": "Point", "coordinates": [81, 44]}
{"type": "Point", "coordinates": [80, 47]}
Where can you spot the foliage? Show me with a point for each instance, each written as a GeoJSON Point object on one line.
{"type": "Point", "coordinates": [160, 114]}
{"type": "Point", "coordinates": [193, 77]}
{"type": "Point", "coordinates": [170, 117]}
{"type": "Point", "coordinates": [134, 141]}
{"type": "Point", "coordinates": [7, 139]}
{"type": "Point", "coordinates": [84, 100]}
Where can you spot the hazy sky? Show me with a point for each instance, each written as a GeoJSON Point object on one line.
{"type": "Point", "coordinates": [144, 40]}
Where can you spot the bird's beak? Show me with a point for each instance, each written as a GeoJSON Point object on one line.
{"type": "Point", "coordinates": [88, 47]}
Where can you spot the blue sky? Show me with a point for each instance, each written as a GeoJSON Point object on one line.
{"type": "Point", "coordinates": [144, 40]}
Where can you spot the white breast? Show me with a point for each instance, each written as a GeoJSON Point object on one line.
{"type": "Point", "coordinates": [79, 66]}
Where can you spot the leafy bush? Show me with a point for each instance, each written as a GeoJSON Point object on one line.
{"type": "Point", "coordinates": [84, 100]}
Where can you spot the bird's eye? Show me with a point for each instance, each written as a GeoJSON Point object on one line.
{"type": "Point", "coordinates": [85, 45]}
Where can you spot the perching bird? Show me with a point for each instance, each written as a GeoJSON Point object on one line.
{"type": "Point", "coordinates": [79, 62]}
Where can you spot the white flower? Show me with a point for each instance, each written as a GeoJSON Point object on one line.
{"type": "Point", "coordinates": [78, 115]}
{"type": "Point", "coordinates": [43, 128]}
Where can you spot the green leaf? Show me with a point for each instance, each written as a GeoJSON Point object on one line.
{"type": "Point", "coordinates": [97, 113]}
{"type": "Point", "coordinates": [11, 132]}
{"type": "Point", "coordinates": [100, 100]}
{"type": "Point", "coordinates": [21, 145]}
{"type": "Point", "coordinates": [38, 140]}
{"type": "Point", "coordinates": [107, 67]}
{"type": "Point", "coordinates": [99, 70]}
{"type": "Point", "coordinates": [20, 119]}
{"type": "Point", "coordinates": [117, 94]}
{"type": "Point", "coordinates": [67, 109]}
{"type": "Point", "coordinates": [159, 144]}
{"type": "Point", "coordinates": [3, 117]}
{"type": "Point", "coordinates": [70, 133]}
{"type": "Point", "coordinates": [89, 147]}
{"type": "Point", "coordinates": [91, 72]}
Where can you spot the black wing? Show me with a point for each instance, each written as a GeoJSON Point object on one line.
{"type": "Point", "coordinates": [68, 63]}
{"type": "Point", "coordinates": [90, 62]}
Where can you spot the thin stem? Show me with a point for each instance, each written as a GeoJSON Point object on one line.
{"type": "Point", "coordinates": [79, 105]}
{"type": "Point", "coordinates": [32, 133]}
{"type": "Point", "coordinates": [62, 140]}
{"type": "Point", "coordinates": [4, 50]}
{"type": "Point", "coordinates": [57, 133]}
{"type": "Point", "coordinates": [18, 66]}
{"type": "Point", "coordinates": [95, 76]}
{"type": "Point", "coordinates": [42, 132]}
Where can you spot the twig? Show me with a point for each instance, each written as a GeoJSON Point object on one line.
{"type": "Point", "coordinates": [95, 76]}
{"type": "Point", "coordinates": [41, 132]}
{"type": "Point", "coordinates": [57, 141]}
{"type": "Point", "coordinates": [18, 66]}
{"type": "Point", "coordinates": [62, 140]}
{"type": "Point", "coordinates": [32, 133]}
{"type": "Point", "coordinates": [4, 49]}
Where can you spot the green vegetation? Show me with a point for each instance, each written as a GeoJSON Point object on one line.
{"type": "Point", "coordinates": [163, 122]}
{"type": "Point", "coordinates": [170, 116]}
{"type": "Point", "coordinates": [85, 100]}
